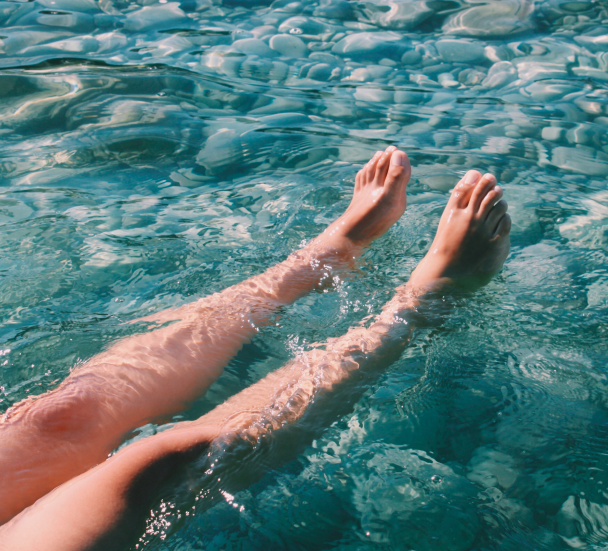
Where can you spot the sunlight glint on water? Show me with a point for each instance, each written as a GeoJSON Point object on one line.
{"type": "Point", "coordinates": [151, 153]}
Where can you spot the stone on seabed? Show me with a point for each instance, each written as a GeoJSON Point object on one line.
{"type": "Point", "coordinates": [370, 46]}
{"type": "Point", "coordinates": [492, 468]}
{"type": "Point", "coordinates": [372, 94]}
{"type": "Point", "coordinates": [495, 19]}
{"type": "Point", "coordinates": [549, 91]}
{"type": "Point", "coordinates": [410, 97]}
{"type": "Point", "coordinates": [288, 45]}
{"type": "Point", "coordinates": [441, 182]}
{"type": "Point", "coordinates": [460, 51]}
{"type": "Point", "coordinates": [283, 119]}
{"type": "Point", "coordinates": [334, 9]}
{"type": "Point", "coordinates": [263, 30]}
{"type": "Point", "coordinates": [84, 22]}
{"type": "Point", "coordinates": [152, 17]}
{"type": "Point", "coordinates": [500, 74]}
{"type": "Point", "coordinates": [306, 25]}
{"type": "Point", "coordinates": [253, 46]}
{"type": "Point", "coordinates": [280, 105]}
{"type": "Point", "coordinates": [583, 133]}
{"type": "Point", "coordinates": [221, 150]}
{"type": "Point", "coordinates": [80, 45]}
{"type": "Point", "coordinates": [320, 71]}
{"type": "Point", "coordinates": [597, 41]}
{"type": "Point", "coordinates": [553, 133]}
{"type": "Point", "coordinates": [72, 5]}
{"type": "Point", "coordinates": [581, 160]}
{"type": "Point", "coordinates": [533, 70]}
{"type": "Point", "coordinates": [403, 14]}
{"type": "Point", "coordinates": [447, 80]}
{"type": "Point", "coordinates": [411, 58]}
{"type": "Point", "coordinates": [371, 72]}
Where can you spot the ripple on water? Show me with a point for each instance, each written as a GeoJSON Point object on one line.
{"type": "Point", "coordinates": [156, 152]}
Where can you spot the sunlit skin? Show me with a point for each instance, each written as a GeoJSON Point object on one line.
{"type": "Point", "coordinates": [105, 507]}
{"type": "Point", "coordinates": [474, 218]}
{"type": "Point", "coordinates": [151, 376]}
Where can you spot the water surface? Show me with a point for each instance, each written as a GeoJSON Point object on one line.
{"type": "Point", "coordinates": [155, 152]}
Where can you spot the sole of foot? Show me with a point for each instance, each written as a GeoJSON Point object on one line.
{"type": "Point", "coordinates": [379, 200]}
{"type": "Point", "coordinates": [472, 240]}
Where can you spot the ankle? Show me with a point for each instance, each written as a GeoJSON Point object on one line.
{"type": "Point", "coordinates": [337, 243]}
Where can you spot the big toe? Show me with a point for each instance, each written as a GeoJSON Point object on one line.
{"type": "Point", "coordinates": [481, 191]}
{"type": "Point", "coordinates": [382, 166]}
{"type": "Point", "coordinates": [504, 226]}
{"type": "Point", "coordinates": [464, 189]}
{"type": "Point", "coordinates": [399, 170]}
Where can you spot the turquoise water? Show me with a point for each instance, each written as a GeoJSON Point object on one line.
{"type": "Point", "coordinates": [152, 153]}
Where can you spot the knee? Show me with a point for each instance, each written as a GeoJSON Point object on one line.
{"type": "Point", "coordinates": [62, 412]}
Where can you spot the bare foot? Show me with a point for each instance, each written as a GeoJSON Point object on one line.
{"type": "Point", "coordinates": [472, 240]}
{"type": "Point", "coordinates": [378, 201]}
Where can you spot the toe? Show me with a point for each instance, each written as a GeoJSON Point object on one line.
{"type": "Point", "coordinates": [358, 180]}
{"type": "Point", "coordinates": [370, 168]}
{"type": "Point", "coordinates": [483, 187]}
{"type": "Point", "coordinates": [496, 215]}
{"type": "Point", "coordinates": [399, 170]}
{"type": "Point", "coordinates": [504, 226]}
{"type": "Point", "coordinates": [382, 165]}
{"type": "Point", "coordinates": [462, 192]}
{"type": "Point", "coordinates": [396, 181]}
{"type": "Point", "coordinates": [492, 197]}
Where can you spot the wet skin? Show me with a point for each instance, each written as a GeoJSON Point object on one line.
{"type": "Point", "coordinates": [105, 507]}
{"type": "Point", "coordinates": [61, 434]}
{"type": "Point", "coordinates": [472, 240]}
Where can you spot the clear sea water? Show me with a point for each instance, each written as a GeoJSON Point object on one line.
{"type": "Point", "coordinates": [155, 152]}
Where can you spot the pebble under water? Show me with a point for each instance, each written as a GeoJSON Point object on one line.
{"type": "Point", "coordinates": [155, 152]}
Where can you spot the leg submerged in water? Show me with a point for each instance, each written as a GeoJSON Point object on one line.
{"type": "Point", "coordinates": [49, 440]}
{"type": "Point", "coordinates": [105, 507]}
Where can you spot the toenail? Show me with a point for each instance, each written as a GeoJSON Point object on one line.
{"type": "Point", "coordinates": [471, 177]}
{"type": "Point", "coordinates": [398, 158]}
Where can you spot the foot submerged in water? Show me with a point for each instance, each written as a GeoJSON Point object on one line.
{"type": "Point", "coordinates": [472, 240]}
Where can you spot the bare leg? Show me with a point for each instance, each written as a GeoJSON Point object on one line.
{"type": "Point", "coordinates": [51, 439]}
{"type": "Point", "coordinates": [101, 508]}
